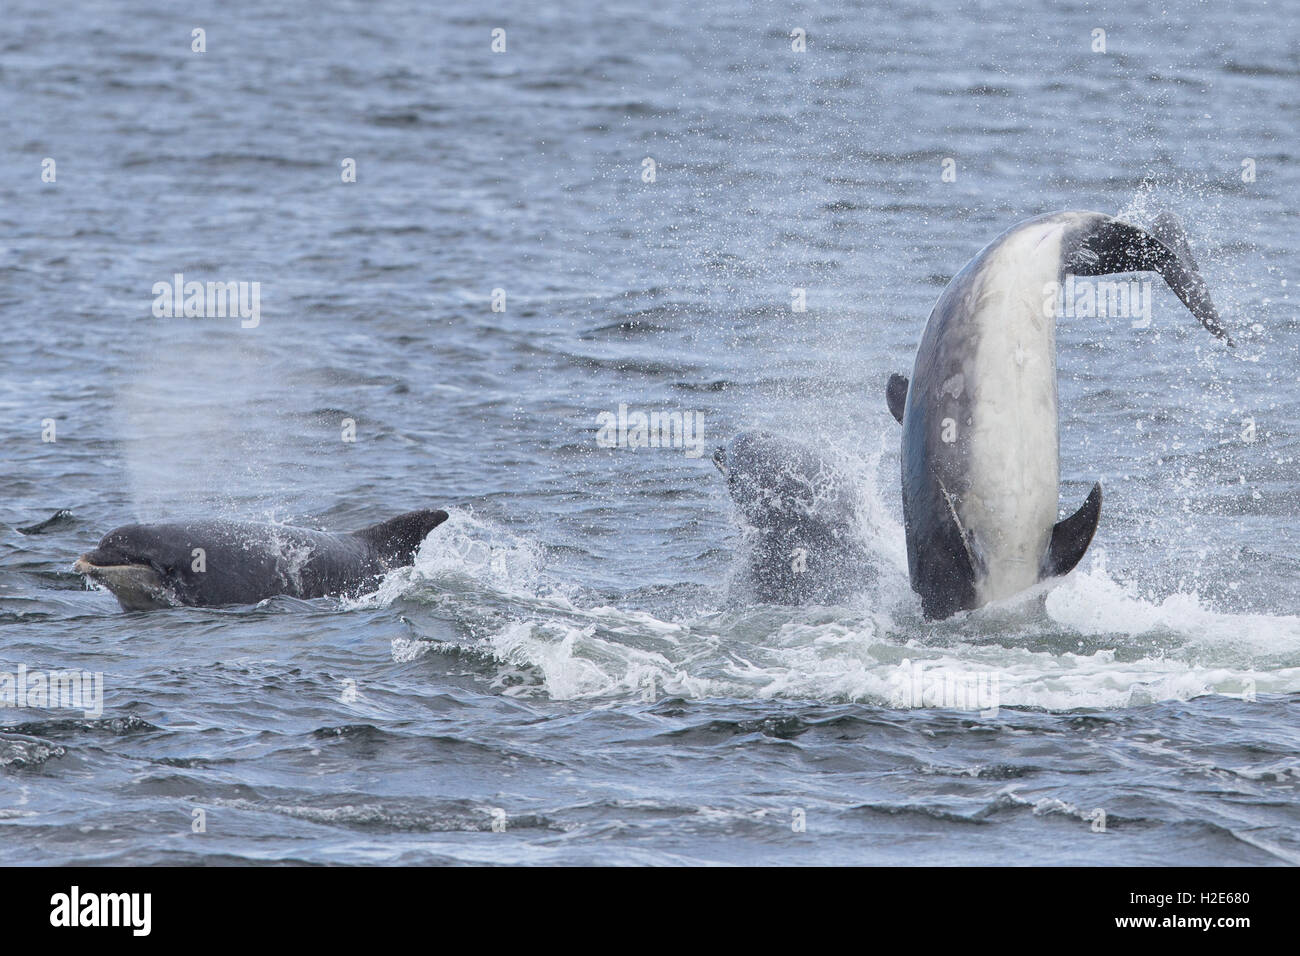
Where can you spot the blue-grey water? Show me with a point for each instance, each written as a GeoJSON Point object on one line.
{"type": "Point", "coordinates": [561, 677]}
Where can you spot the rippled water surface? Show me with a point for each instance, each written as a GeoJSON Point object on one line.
{"type": "Point", "coordinates": [560, 678]}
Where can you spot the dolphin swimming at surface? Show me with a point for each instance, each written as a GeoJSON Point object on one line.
{"type": "Point", "coordinates": [213, 562]}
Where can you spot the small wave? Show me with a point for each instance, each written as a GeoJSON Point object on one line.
{"type": "Point", "coordinates": [1086, 641]}
{"type": "Point", "coordinates": [21, 753]}
{"type": "Point", "coordinates": [463, 553]}
{"type": "Point", "coordinates": [816, 654]}
{"type": "Point", "coordinates": [115, 726]}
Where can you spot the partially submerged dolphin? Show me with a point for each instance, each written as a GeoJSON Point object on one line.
{"type": "Point", "coordinates": [980, 456]}
{"type": "Point", "coordinates": [210, 563]}
{"type": "Point", "coordinates": [801, 509]}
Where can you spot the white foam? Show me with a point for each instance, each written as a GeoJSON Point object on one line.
{"type": "Point", "coordinates": [1086, 642]}
{"type": "Point", "coordinates": [464, 551]}
{"type": "Point", "coordinates": [1091, 603]}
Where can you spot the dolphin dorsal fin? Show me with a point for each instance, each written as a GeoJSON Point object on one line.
{"type": "Point", "coordinates": [896, 396]}
{"type": "Point", "coordinates": [399, 538]}
{"type": "Point", "coordinates": [1071, 536]}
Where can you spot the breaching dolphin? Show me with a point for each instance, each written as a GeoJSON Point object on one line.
{"type": "Point", "coordinates": [980, 453]}
{"type": "Point", "coordinates": [801, 513]}
{"type": "Point", "coordinates": [210, 563]}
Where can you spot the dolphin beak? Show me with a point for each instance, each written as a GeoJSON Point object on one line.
{"type": "Point", "coordinates": [96, 561]}
{"type": "Point", "coordinates": [105, 568]}
{"type": "Point", "coordinates": [136, 586]}
{"type": "Point", "coordinates": [720, 459]}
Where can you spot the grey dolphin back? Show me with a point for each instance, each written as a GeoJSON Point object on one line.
{"type": "Point", "coordinates": [246, 563]}
{"type": "Point", "coordinates": [940, 561]}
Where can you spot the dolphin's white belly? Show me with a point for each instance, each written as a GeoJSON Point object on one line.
{"type": "Point", "coordinates": [1010, 506]}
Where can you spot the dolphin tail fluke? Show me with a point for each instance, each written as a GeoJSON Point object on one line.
{"type": "Point", "coordinates": [1071, 537]}
{"type": "Point", "coordinates": [896, 396]}
{"type": "Point", "coordinates": [1168, 228]}
{"type": "Point", "coordinates": [1118, 246]}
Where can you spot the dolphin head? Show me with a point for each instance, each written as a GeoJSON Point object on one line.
{"type": "Point", "coordinates": [778, 483]}
{"type": "Point", "coordinates": [140, 567]}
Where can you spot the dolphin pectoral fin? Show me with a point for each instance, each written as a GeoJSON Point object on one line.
{"type": "Point", "coordinates": [1117, 246]}
{"type": "Point", "coordinates": [1071, 537]}
{"type": "Point", "coordinates": [896, 396]}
